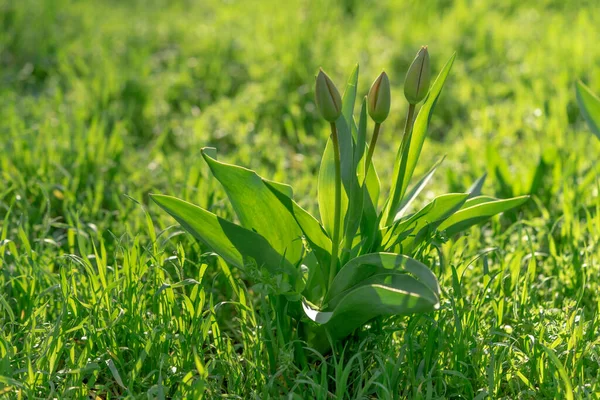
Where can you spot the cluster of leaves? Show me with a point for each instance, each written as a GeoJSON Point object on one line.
{"type": "Point", "coordinates": [355, 263]}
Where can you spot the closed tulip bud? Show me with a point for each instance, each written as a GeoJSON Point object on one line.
{"type": "Point", "coordinates": [379, 98]}
{"type": "Point", "coordinates": [418, 76]}
{"type": "Point", "coordinates": [327, 97]}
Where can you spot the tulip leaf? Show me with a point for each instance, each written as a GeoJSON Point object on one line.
{"type": "Point", "coordinates": [353, 216]}
{"type": "Point", "coordinates": [475, 189]}
{"type": "Point", "coordinates": [470, 216]}
{"type": "Point", "coordinates": [233, 243]}
{"type": "Point", "coordinates": [399, 294]}
{"type": "Point", "coordinates": [369, 225]}
{"type": "Point", "coordinates": [473, 201]}
{"type": "Point", "coordinates": [368, 265]}
{"type": "Point", "coordinates": [286, 190]}
{"type": "Point", "coordinates": [258, 209]}
{"type": "Point", "coordinates": [370, 186]}
{"type": "Point", "coordinates": [590, 107]}
{"type": "Point", "coordinates": [416, 190]}
{"type": "Point", "coordinates": [314, 233]}
{"type": "Point", "coordinates": [423, 222]}
{"type": "Point", "coordinates": [326, 183]}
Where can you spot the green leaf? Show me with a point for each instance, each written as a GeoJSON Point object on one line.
{"type": "Point", "coordinates": [286, 190]}
{"type": "Point", "coordinates": [399, 294]}
{"type": "Point", "coordinates": [412, 151]}
{"type": "Point", "coordinates": [210, 151]}
{"type": "Point", "coordinates": [258, 208]}
{"type": "Point", "coordinates": [314, 233]}
{"type": "Point", "coordinates": [368, 265]}
{"type": "Point", "coordinates": [470, 216]}
{"type": "Point", "coordinates": [326, 183]}
{"type": "Point", "coordinates": [590, 107]}
{"type": "Point", "coordinates": [369, 222]}
{"type": "Point", "coordinates": [353, 216]}
{"type": "Point", "coordinates": [423, 222]}
{"type": "Point", "coordinates": [233, 243]}
{"type": "Point", "coordinates": [472, 201]}
{"type": "Point", "coordinates": [475, 189]}
{"type": "Point", "coordinates": [369, 225]}
{"type": "Point", "coordinates": [416, 190]}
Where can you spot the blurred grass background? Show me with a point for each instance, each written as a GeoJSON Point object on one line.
{"type": "Point", "coordinates": [130, 91]}
{"type": "Point", "coordinates": [99, 100]}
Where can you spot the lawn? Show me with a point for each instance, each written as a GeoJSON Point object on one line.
{"type": "Point", "coordinates": [103, 295]}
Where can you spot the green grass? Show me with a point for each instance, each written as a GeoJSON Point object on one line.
{"type": "Point", "coordinates": [102, 294]}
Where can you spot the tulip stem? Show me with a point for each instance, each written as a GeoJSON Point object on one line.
{"type": "Point", "coordinates": [335, 245]}
{"type": "Point", "coordinates": [404, 151]}
{"type": "Point", "coordinates": [372, 147]}
{"type": "Point", "coordinates": [408, 126]}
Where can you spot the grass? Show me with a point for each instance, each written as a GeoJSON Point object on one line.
{"type": "Point", "coordinates": [103, 296]}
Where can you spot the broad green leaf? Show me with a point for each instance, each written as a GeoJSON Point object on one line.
{"type": "Point", "coordinates": [475, 189]}
{"type": "Point", "coordinates": [233, 243]}
{"type": "Point", "coordinates": [590, 107]}
{"type": "Point", "coordinates": [400, 294]}
{"type": "Point", "coordinates": [326, 183]}
{"type": "Point", "coordinates": [358, 189]}
{"type": "Point", "coordinates": [314, 233]}
{"type": "Point", "coordinates": [353, 218]}
{"type": "Point", "coordinates": [415, 191]}
{"type": "Point", "coordinates": [210, 151]}
{"type": "Point", "coordinates": [468, 217]}
{"type": "Point", "coordinates": [258, 208]}
{"type": "Point", "coordinates": [405, 164]}
{"type": "Point", "coordinates": [424, 222]}
{"type": "Point", "coordinates": [287, 190]}
{"type": "Point", "coordinates": [369, 225]}
{"type": "Point", "coordinates": [472, 201]}
{"type": "Point", "coordinates": [361, 268]}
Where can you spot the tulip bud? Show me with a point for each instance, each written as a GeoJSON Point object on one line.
{"type": "Point", "coordinates": [327, 97]}
{"type": "Point", "coordinates": [416, 84]}
{"type": "Point", "coordinates": [379, 98]}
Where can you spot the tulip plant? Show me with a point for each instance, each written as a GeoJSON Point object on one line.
{"type": "Point", "coordinates": [337, 272]}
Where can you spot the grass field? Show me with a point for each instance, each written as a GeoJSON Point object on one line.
{"type": "Point", "coordinates": [102, 295]}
